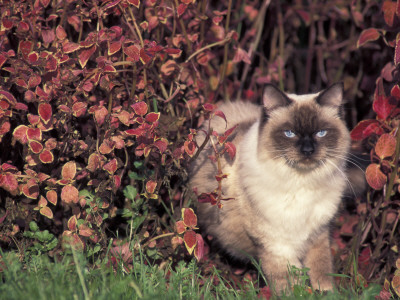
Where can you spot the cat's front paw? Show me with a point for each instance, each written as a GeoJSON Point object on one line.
{"type": "Point", "coordinates": [323, 284]}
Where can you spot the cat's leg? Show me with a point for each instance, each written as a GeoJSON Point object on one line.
{"type": "Point", "coordinates": [319, 260]}
{"type": "Point", "coordinates": [275, 267]}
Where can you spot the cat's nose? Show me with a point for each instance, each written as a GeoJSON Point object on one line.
{"type": "Point", "coordinates": [307, 147]}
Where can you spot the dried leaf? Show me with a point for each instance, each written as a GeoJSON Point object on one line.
{"type": "Point", "coordinates": [385, 146]}
{"type": "Point", "coordinates": [375, 177]}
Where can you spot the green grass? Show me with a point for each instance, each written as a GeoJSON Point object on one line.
{"type": "Point", "coordinates": [74, 278]}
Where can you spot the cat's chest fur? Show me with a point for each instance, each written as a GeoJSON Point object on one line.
{"type": "Point", "coordinates": [292, 205]}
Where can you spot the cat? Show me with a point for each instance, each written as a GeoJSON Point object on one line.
{"type": "Point", "coordinates": [286, 181]}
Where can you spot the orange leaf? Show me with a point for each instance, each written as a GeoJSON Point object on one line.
{"type": "Point", "coordinates": [386, 146]}
{"type": "Point", "coordinates": [375, 177]}
{"type": "Point", "coordinates": [180, 227]}
{"type": "Point", "coordinates": [69, 194]}
{"type": "Point", "coordinates": [84, 230]}
{"type": "Point", "coordinates": [151, 186]}
{"type": "Point", "coordinates": [72, 223]}
{"type": "Point", "coordinates": [52, 197]}
{"type": "Point", "coordinates": [46, 211]}
{"type": "Point", "coordinates": [69, 170]}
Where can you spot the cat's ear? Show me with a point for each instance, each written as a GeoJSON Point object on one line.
{"type": "Point", "coordinates": [274, 98]}
{"type": "Point", "coordinates": [332, 96]}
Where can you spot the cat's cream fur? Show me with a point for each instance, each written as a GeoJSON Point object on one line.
{"type": "Point", "coordinates": [285, 193]}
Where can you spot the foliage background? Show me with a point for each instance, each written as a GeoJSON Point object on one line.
{"type": "Point", "coordinates": [98, 98]}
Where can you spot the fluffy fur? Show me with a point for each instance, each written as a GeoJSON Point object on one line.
{"type": "Point", "coordinates": [286, 188]}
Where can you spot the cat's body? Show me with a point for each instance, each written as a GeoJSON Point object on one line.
{"type": "Point", "coordinates": [286, 180]}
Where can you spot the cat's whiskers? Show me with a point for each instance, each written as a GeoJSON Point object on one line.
{"type": "Point", "coordinates": [344, 176]}
{"type": "Point", "coordinates": [347, 159]}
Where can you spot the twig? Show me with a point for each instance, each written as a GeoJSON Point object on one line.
{"type": "Point", "coordinates": [253, 46]}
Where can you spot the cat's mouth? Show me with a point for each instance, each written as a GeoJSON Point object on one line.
{"type": "Point", "coordinates": [304, 164]}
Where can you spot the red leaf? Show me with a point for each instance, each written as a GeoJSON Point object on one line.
{"type": "Point", "coordinates": [60, 33]}
{"type": "Point", "coordinates": [395, 92]}
{"type": "Point", "coordinates": [8, 97]}
{"type": "Point", "coordinates": [231, 149]}
{"type": "Point", "coordinates": [46, 157]}
{"type": "Point", "coordinates": [34, 134]}
{"type": "Point", "coordinates": [31, 189]}
{"type": "Point", "coordinates": [140, 108]}
{"type": "Point", "coordinates": [220, 114]}
{"type": "Point", "coordinates": [100, 114]}
{"type": "Point", "coordinates": [70, 47]}
{"type": "Point", "coordinates": [190, 148]}
{"type": "Point", "coordinates": [35, 147]}
{"type": "Point", "coordinates": [209, 107]}
{"type": "Point", "coordinates": [111, 166]}
{"type": "Point", "coordinates": [68, 171]}
{"type": "Point", "coordinates": [69, 194]}
{"type": "Point", "coordinates": [133, 52]}
{"type": "Point", "coordinates": [180, 227]}
{"type": "Point", "coordinates": [144, 57]}
{"type": "Point", "coordinates": [241, 55]}
{"type": "Point", "coordinates": [114, 47]}
{"type": "Point", "coordinates": [397, 51]}
{"type": "Point", "coordinates": [375, 178]}
{"type": "Point", "coordinates": [45, 112]}
{"type": "Point", "coordinates": [84, 230]}
{"type": "Point", "coordinates": [161, 145]}
{"type": "Point", "coordinates": [79, 109]}
{"type": "Point", "coordinates": [136, 3]}
{"type": "Point", "coordinates": [382, 107]}
{"type": "Point", "coordinates": [199, 250]}
{"type": "Point", "coordinates": [189, 218]}
{"type": "Point", "coordinates": [20, 134]}
{"type": "Point", "coordinates": [9, 182]}
{"type": "Point", "coordinates": [181, 9]}
{"type": "Point", "coordinates": [85, 55]}
{"type": "Point", "coordinates": [95, 162]}
{"type": "Point", "coordinates": [151, 186]}
{"type": "Point", "coordinates": [48, 36]}
{"type": "Point", "coordinates": [135, 131]}
{"type": "Point", "coordinates": [72, 223]}
{"type": "Point", "coordinates": [389, 10]}
{"type": "Point", "coordinates": [152, 117]}
{"type": "Point", "coordinates": [368, 35]}
{"type": "Point", "coordinates": [190, 240]}
{"type": "Point", "coordinates": [385, 146]}
{"type": "Point", "coordinates": [52, 197]}
{"type": "Point", "coordinates": [51, 64]}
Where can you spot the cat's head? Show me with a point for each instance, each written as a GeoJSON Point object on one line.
{"type": "Point", "coordinates": [304, 131]}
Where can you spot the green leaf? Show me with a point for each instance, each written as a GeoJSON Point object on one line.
{"type": "Point", "coordinates": [130, 192]}
{"type": "Point", "coordinates": [33, 226]}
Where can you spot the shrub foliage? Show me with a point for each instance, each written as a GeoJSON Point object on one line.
{"type": "Point", "coordinates": [98, 100]}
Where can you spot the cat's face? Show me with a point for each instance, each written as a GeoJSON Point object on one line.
{"type": "Point", "coordinates": [305, 132]}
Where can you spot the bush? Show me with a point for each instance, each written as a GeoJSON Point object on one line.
{"type": "Point", "coordinates": [98, 100]}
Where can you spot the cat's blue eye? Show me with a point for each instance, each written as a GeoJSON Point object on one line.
{"type": "Point", "coordinates": [289, 133]}
{"type": "Point", "coordinates": [321, 133]}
